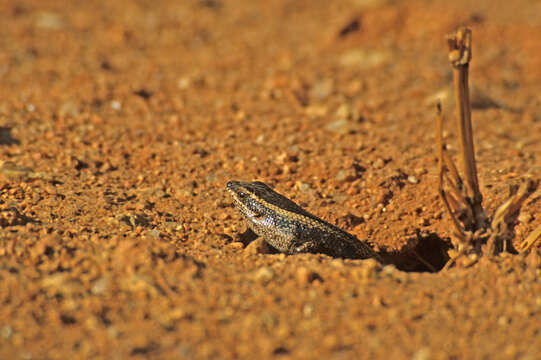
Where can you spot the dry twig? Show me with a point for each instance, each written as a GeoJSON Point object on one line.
{"type": "Point", "coordinates": [460, 55]}
{"type": "Point", "coordinates": [463, 199]}
{"type": "Point", "coordinates": [442, 152]}
{"type": "Point", "coordinates": [505, 216]}
{"type": "Point", "coordinates": [534, 237]}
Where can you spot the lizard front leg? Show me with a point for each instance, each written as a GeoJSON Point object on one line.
{"type": "Point", "coordinates": [309, 246]}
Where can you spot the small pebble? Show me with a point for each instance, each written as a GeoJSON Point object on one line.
{"type": "Point", "coordinates": [260, 139]}
{"type": "Point", "coordinates": [533, 260]}
{"type": "Point", "coordinates": [337, 263]}
{"type": "Point", "coordinates": [308, 310]}
{"type": "Point", "coordinates": [412, 179]}
{"type": "Point", "coordinates": [304, 187]}
{"type": "Point", "coordinates": [322, 89]}
{"type": "Point", "coordinates": [6, 331]}
{"type": "Point", "coordinates": [258, 246]}
{"type": "Point", "coordinates": [100, 286]}
{"type": "Point", "coordinates": [388, 269]}
{"type": "Point", "coordinates": [525, 218]}
{"type": "Point", "coordinates": [341, 175]}
{"type": "Point", "coordinates": [235, 245]}
{"type": "Point", "coordinates": [343, 112]}
{"type": "Point", "coordinates": [339, 126]}
{"type": "Point", "coordinates": [420, 171]}
{"type": "Point", "coordinates": [379, 163]}
{"type": "Point", "coordinates": [305, 276]}
{"type": "Point", "coordinates": [264, 274]}
{"type": "Point", "coordinates": [330, 341]}
{"type": "Point", "coordinates": [363, 58]}
{"type": "Point", "coordinates": [183, 83]}
{"type": "Point", "coordinates": [48, 20]}
{"type": "Point", "coordinates": [316, 110]}
{"type": "Point", "coordinates": [116, 105]}
{"type": "Point", "coordinates": [421, 354]}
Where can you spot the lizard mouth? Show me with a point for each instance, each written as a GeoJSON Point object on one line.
{"type": "Point", "coordinates": [241, 198]}
{"type": "Point", "coordinates": [233, 188]}
{"type": "Point", "coordinates": [236, 190]}
{"type": "Point", "coordinates": [231, 185]}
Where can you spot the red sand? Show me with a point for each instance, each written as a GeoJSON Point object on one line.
{"type": "Point", "coordinates": [121, 123]}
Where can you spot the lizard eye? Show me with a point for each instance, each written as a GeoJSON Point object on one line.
{"type": "Point", "coordinates": [241, 194]}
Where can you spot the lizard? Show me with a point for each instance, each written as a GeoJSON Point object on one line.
{"type": "Point", "coordinates": [289, 228]}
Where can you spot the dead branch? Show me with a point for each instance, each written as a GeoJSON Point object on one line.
{"type": "Point", "coordinates": [533, 238]}
{"type": "Point", "coordinates": [441, 170]}
{"type": "Point", "coordinates": [460, 55]}
{"type": "Point", "coordinates": [505, 216]}
{"type": "Point", "coordinates": [463, 199]}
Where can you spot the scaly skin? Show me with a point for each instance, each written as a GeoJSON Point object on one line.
{"type": "Point", "coordinates": [291, 229]}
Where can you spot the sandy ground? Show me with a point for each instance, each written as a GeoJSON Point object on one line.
{"type": "Point", "coordinates": [121, 122]}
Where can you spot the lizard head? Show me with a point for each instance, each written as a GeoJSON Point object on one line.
{"type": "Point", "coordinates": [255, 199]}
{"type": "Point", "coordinates": [247, 196]}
